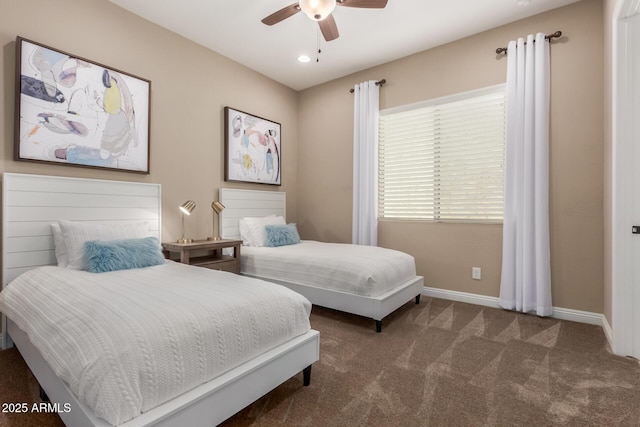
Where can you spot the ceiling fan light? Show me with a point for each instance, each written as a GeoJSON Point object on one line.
{"type": "Point", "coordinates": [317, 9]}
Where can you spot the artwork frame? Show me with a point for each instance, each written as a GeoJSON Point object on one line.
{"type": "Point", "coordinates": [253, 150]}
{"type": "Point", "coordinates": [76, 112]}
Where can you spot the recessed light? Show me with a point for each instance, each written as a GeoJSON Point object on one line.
{"type": "Point", "coordinates": [304, 58]}
{"type": "Point", "coordinates": [524, 2]}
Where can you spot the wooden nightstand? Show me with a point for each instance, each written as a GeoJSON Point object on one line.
{"type": "Point", "coordinates": [210, 254]}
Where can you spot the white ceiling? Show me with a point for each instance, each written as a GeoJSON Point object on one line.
{"type": "Point", "coordinates": [368, 37]}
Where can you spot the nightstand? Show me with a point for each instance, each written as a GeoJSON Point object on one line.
{"type": "Point", "coordinates": [209, 254]}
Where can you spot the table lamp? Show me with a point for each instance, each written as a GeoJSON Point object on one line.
{"type": "Point", "coordinates": [217, 208]}
{"type": "Point", "coordinates": [186, 209]}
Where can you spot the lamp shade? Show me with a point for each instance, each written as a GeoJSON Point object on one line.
{"type": "Point", "coordinates": [317, 9]}
{"type": "Point", "coordinates": [217, 207]}
{"type": "Point", "coordinates": [188, 207]}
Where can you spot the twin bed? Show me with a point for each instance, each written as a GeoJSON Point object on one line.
{"type": "Point", "coordinates": [363, 280]}
{"type": "Point", "coordinates": [164, 345]}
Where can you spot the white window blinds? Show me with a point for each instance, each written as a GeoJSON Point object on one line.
{"type": "Point", "coordinates": [444, 159]}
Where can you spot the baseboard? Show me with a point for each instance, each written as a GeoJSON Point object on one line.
{"type": "Point", "coordinates": [558, 312]}
{"type": "Point", "coordinates": [608, 332]}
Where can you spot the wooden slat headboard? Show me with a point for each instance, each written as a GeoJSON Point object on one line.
{"type": "Point", "coordinates": [248, 203]}
{"type": "Point", "coordinates": [30, 203]}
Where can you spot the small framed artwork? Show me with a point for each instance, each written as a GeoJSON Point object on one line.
{"type": "Point", "coordinates": [252, 148]}
{"type": "Point", "coordinates": [73, 111]}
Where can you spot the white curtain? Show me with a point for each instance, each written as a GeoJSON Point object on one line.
{"type": "Point", "coordinates": [365, 163]}
{"type": "Point", "coordinates": [526, 273]}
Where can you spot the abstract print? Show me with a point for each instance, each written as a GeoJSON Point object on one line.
{"type": "Point", "coordinates": [253, 148]}
{"type": "Point", "coordinates": [77, 112]}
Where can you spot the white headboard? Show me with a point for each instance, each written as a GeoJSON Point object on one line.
{"type": "Point", "coordinates": [30, 203]}
{"type": "Point", "coordinates": [247, 203]}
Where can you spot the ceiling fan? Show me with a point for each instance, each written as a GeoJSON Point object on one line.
{"type": "Point", "coordinates": [320, 10]}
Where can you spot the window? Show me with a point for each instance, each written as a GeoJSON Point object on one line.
{"type": "Point", "coordinates": [443, 160]}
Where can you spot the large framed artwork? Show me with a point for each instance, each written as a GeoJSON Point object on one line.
{"type": "Point", "coordinates": [73, 111]}
{"type": "Point", "coordinates": [252, 148]}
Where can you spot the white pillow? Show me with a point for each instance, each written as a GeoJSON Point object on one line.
{"type": "Point", "coordinates": [245, 231]}
{"type": "Point", "coordinates": [61, 248]}
{"type": "Point", "coordinates": [256, 228]}
{"type": "Point", "coordinates": [75, 233]}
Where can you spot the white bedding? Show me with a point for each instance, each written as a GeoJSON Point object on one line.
{"type": "Point", "coordinates": [127, 341]}
{"type": "Point", "coordinates": [361, 270]}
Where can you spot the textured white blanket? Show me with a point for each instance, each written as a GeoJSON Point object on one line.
{"type": "Point", "coordinates": [127, 341]}
{"type": "Point", "coordinates": [361, 270]}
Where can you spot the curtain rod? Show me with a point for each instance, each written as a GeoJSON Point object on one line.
{"type": "Point", "coordinates": [555, 35]}
{"type": "Point", "coordinates": [378, 83]}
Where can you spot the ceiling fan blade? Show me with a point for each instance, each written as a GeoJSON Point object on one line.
{"type": "Point", "coordinates": [329, 28]}
{"type": "Point", "coordinates": [367, 4]}
{"type": "Point", "coordinates": [282, 14]}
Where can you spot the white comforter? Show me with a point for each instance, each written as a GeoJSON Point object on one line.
{"type": "Point", "coordinates": [361, 270]}
{"type": "Point", "coordinates": [127, 341]}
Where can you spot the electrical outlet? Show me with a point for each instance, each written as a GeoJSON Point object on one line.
{"type": "Point", "coordinates": [476, 273]}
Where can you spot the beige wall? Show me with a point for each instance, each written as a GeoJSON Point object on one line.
{"type": "Point", "coordinates": [445, 253]}
{"type": "Point", "coordinates": [190, 86]}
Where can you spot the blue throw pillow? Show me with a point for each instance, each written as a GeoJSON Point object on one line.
{"type": "Point", "coordinates": [111, 255]}
{"type": "Point", "coordinates": [281, 235]}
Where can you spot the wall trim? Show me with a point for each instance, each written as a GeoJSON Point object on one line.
{"type": "Point", "coordinates": [558, 312]}
{"type": "Point", "coordinates": [608, 332]}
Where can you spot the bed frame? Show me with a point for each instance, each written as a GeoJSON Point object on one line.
{"type": "Point", "coordinates": [254, 203]}
{"type": "Point", "coordinates": [30, 204]}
